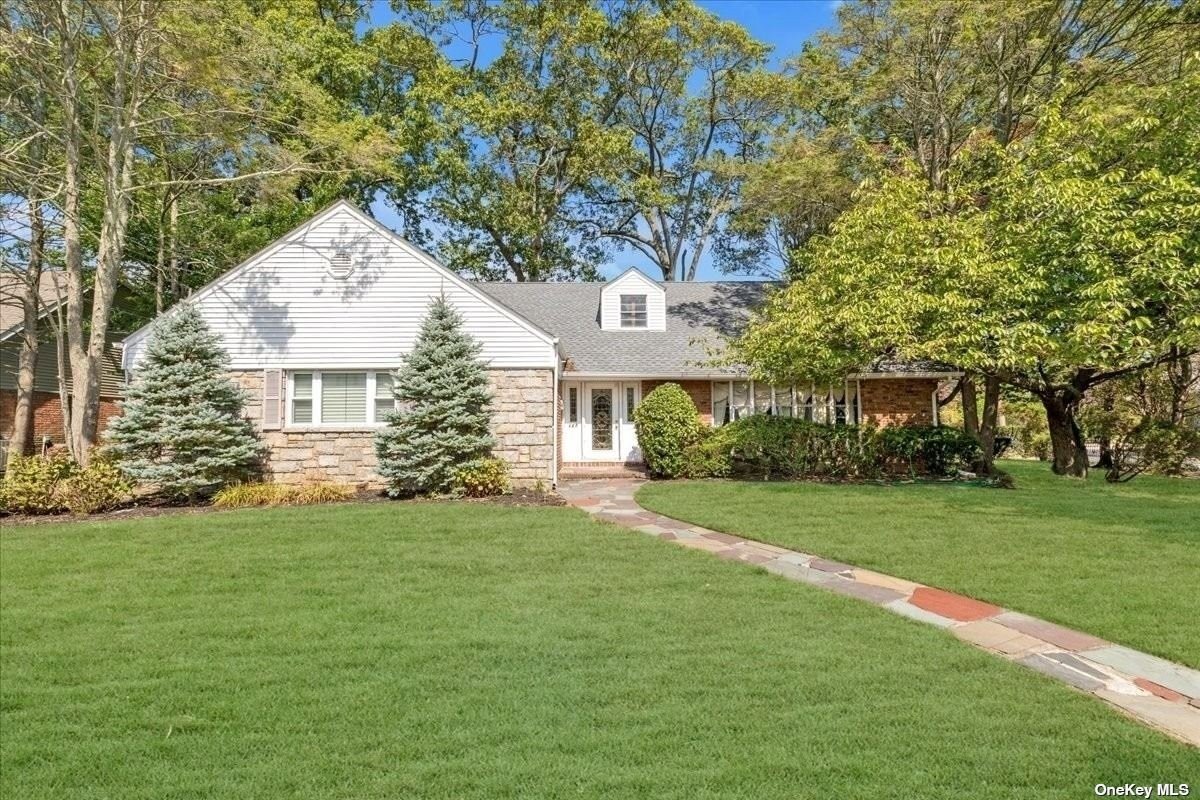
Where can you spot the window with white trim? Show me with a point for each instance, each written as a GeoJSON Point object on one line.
{"type": "Point", "coordinates": [828, 405]}
{"type": "Point", "coordinates": [633, 311]}
{"type": "Point", "coordinates": [339, 399]}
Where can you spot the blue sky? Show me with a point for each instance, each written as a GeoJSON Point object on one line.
{"type": "Point", "coordinates": [783, 24]}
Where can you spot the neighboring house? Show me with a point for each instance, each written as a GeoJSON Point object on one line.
{"type": "Point", "coordinates": [314, 324]}
{"type": "Point", "coordinates": [47, 409]}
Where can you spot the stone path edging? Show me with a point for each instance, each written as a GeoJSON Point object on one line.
{"type": "Point", "coordinates": [1159, 693]}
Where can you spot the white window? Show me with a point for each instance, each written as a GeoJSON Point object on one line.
{"type": "Point", "coordinates": [302, 398]}
{"type": "Point", "coordinates": [385, 398]}
{"type": "Point", "coordinates": [572, 404]}
{"type": "Point", "coordinates": [329, 398]}
{"type": "Point", "coordinates": [633, 311]}
{"type": "Point", "coordinates": [733, 400]}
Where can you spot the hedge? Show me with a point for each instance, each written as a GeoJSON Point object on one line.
{"type": "Point", "coordinates": [764, 447]}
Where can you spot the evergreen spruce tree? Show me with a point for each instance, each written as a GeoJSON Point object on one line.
{"type": "Point", "coordinates": [181, 426]}
{"type": "Point", "coordinates": [445, 409]}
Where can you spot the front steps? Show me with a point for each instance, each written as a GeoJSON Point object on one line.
{"type": "Point", "coordinates": [584, 470]}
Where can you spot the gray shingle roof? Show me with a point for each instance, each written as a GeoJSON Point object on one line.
{"type": "Point", "coordinates": [52, 289]}
{"type": "Point", "coordinates": [699, 316]}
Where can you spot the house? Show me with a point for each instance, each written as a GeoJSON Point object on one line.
{"type": "Point", "coordinates": [315, 322]}
{"type": "Point", "coordinates": [47, 418]}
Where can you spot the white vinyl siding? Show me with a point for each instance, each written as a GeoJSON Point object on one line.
{"type": "Point", "coordinates": [339, 399]}
{"type": "Point", "coordinates": [828, 405]}
{"type": "Point", "coordinates": [629, 285]}
{"type": "Point", "coordinates": [283, 309]}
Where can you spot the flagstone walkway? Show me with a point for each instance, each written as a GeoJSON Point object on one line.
{"type": "Point", "coordinates": [1157, 692]}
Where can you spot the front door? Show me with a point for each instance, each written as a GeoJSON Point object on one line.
{"type": "Point", "coordinates": [600, 415]}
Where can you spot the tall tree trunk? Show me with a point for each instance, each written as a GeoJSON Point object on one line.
{"type": "Point", "coordinates": [22, 438]}
{"type": "Point", "coordinates": [173, 249]}
{"type": "Point", "coordinates": [970, 404]}
{"type": "Point", "coordinates": [987, 428]}
{"type": "Point", "coordinates": [1066, 439]}
{"type": "Point", "coordinates": [117, 183]}
{"type": "Point", "coordinates": [72, 121]}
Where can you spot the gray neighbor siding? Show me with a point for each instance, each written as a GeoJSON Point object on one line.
{"type": "Point", "coordinates": [112, 377]}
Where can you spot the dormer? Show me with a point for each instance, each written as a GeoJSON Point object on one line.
{"type": "Point", "coordinates": [633, 302]}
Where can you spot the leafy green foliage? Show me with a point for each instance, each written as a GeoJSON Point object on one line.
{"type": "Point", "coordinates": [1146, 421]}
{"type": "Point", "coordinates": [519, 136]}
{"type": "Point", "coordinates": [31, 483]}
{"type": "Point", "coordinates": [487, 477]}
{"type": "Point", "coordinates": [782, 448]}
{"type": "Point", "coordinates": [98, 487]}
{"type": "Point", "coordinates": [181, 429]}
{"type": "Point", "coordinates": [249, 495]}
{"type": "Point", "coordinates": [1081, 264]}
{"type": "Point", "coordinates": [926, 450]}
{"type": "Point", "coordinates": [445, 409]}
{"type": "Point", "coordinates": [698, 105]}
{"type": "Point", "coordinates": [667, 423]}
{"type": "Point", "coordinates": [54, 483]}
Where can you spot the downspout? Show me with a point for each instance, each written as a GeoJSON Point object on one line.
{"type": "Point", "coordinates": [557, 423]}
{"type": "Point", "coordinates": [936, 417]}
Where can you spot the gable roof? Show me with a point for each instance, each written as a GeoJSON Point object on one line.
{"type": "Point", "coordinates": [390, 235]}
{"type": "Point", "coordinates": [52, 292]}
{"type": "Point", "coordinates": [700, 316]}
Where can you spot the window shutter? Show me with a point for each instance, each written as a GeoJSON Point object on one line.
{"type": "Point", "coordinates": [272, 397]}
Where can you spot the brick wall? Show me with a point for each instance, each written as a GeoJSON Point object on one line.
{"type": "Point", "coordinates": [699, 391]}
{"type": "Point", "coordinates": [47, 416]}
{"type": "Point", "coordinates": [522, 422]}
{"type": "Point", "coordinates": [898, 401]}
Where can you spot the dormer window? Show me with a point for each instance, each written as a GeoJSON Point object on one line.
{"type": "Point", "coordinates": [341, 264]}
{"type": "Point", "coordinates": [633, 302]}
{"type": "Point", "coordinates": [633, 311]}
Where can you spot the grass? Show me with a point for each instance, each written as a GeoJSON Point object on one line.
{"type": "Point", "coordinates": [458, 651]}
{"type": "Point", "coordinates": [1118, 561]}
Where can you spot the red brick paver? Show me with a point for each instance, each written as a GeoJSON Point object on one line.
{"type": "Point", "coordinates": [954, 606]}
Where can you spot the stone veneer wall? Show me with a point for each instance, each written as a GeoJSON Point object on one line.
{"type": "Point", "coordinates": [522, 423]}
{"type": "Point", "coordinates": [699, 391]}
{"type": "Point", "coordinates": [898, 401]}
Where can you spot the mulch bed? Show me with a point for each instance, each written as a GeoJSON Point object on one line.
{"type": "Point", "coordinates": [150, 508]}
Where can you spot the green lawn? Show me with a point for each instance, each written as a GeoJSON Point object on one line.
{"type": "Point", "coordinates": [465, 651]}
{"type": "Point", "coordinates": [1118, 561]}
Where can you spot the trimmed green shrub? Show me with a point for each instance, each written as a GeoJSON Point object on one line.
{"type": "Point", "coordinates": [766, 448]}
{"type": "Point", "coordinates": [667, 423]}
{"type": "Point", "coordinates": [709, 456]}
{"type": "Point", "coordinates": [487, 477]}
{"type": "Point", "coordinates": [54, 483]}
{"type": "Point", "coordinates": [31, 483]}
{"type": "Point", "coordinates": [97, 488]}
{"type": "Point", "coordinates": [927, 450]}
